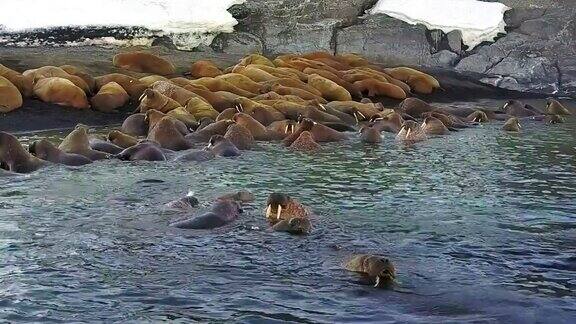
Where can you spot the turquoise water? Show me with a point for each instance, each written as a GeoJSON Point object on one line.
{"type": "Point", "coordinates": [480, 224]}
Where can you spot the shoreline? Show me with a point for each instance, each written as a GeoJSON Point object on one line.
{"type": "Point", "coordinates": [37, 116]}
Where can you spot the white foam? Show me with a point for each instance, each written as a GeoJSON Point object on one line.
{"type": "Point", "coordinates": [478, 21]}
{"type": "Point", "coordinates": [189, 22]}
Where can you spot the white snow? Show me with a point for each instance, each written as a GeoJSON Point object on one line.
{"type": "Point", "coordinates": [478, 21]}
{"type": "Point", "coordinates": [189, 22]}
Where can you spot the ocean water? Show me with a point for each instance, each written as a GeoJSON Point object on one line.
{"type": "Point", "coordinates": [481, 225]}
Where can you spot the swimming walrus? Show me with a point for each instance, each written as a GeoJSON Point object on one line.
{"type": "Point", "coordinates": [379, 270]}
{"type": "Point", "coordinates": [554, 107]}
{"type": "Point", "coordinates": [168, 136]}
{"type": "Point", "coordinates": [104, 146]}
{"type": "Point", "coordinates": [411, 132]}
{"type": "Point", "coordinates": [221, 213]}
{"type": "Point", "coordinates": [297, 226]}
{"type": "Point", "coordinates": [185, 203]}
{"type": "Point", "coordinates": [221, 146]}
{"type": "Point", "coordinates": [135, 125]}
{"type": "Point", "coordinates": [143, 62]}
{"type": "Point", "coordinates": [433, 126]}
{"type": "Point", "coordinates": [305, 143]}
{"type": "Point", "coordinates": [143, 151]}
{"type": "Point", "coordinates": [280, 206]}
{"type": "Point", "coordinates": [77, 142]}
{"type": "Point", "coordinates": [370, 134]}
{"type": "Point", "coordinates": [240, 136]}
{"type": "Point", "coordinates": [515, 108]}
{"type": "Point", "coordinates": [14, 158]}
{"type": "Point", "coordinates": [45, 150]}
{"type": "Point", "coordinates": [512, 125]}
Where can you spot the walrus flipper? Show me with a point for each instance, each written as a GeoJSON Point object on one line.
{"type": "Point", "coordinates": [205, 221]}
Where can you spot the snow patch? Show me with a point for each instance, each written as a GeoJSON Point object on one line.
{"type": "Point", "coordinates": [188, 22]}
{"type": "Point", "coordinates": [478, 21]}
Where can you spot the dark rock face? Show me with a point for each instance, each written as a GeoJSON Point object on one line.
{"type": "Point", "coordinates": [538, 53]}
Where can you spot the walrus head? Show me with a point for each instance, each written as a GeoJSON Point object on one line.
{"type": "Point", "coordinates": [275, 203]}
{"type": "Point", "coordinates": [409, 126]}
{"type": "Point", "coordinates": [386, 273]}
{"type": "Point", "coordinates": [215, 139]}
{"type": "Point", "coordinates": [555, 119]}
{"type": "Point", "coordinates": [512, 125]}
{"type": "Point", "coordinates": [289, 129]}
{"type": "Point", "coordinates": [305, 124]}
{"type": "Point", "coordinates": [554, 107]}
{"type": "Point", "coordinates": [377, 268]}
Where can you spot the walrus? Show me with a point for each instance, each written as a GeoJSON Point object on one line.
{"type": "Point", "coordinates": [135, 125]}
{"type": "Point", "coordinates": [142, 151]}
{"type": "Point", "coordinates": [143, 62]}
{"type": "Point", "coordinates": [411, 132]}
{"type": "Point", "coordinates": [258, 131]}
{"type": "Point", "coordinates": [25, 84]}
{"type": "Point", "coordinates": [477, 117]}
{"type": "Point", "coordinates": [240, 136]}
{"type": "Point", "coordinates": [334, 78]}
{"type": "Point", "coordinates": [133, 86]}
{"type": "Point", "coordinates": [320, 115]}
{"type": "Point", "coordinates": [304, 125]}
{"type": "Point", "coordinates": [154, 116]}
{"type": "Point", "coordinates": [241, 81]}
{"type": "Point", "coordinates": [280, 206]}
{"type": "Point", "coordinates": [433, 126]}
{"type": "Point", "coordinates": [77, 142]}
{"type": "Point", "coordinates": [255, 59]}
{"type": "Point", "coordinates": [330, 90]}
{"type": "Point", "coordinates": [228, 113]}
{"type": "Point", "coordinates": [268, 86]}
{"type": "Point", "coordinates": [554, 107]}
{"type": "Point", "coordinates": [305, 143]}
{"type": "Point", "coordinates": [56, 72]}
{"type": "Point", "coordinates": [555, 119]}
{"type": "Point", "coordinates": [204, 134]}
{"type": "Point", "coordinates": [222, 213]}
{"type": "Point", "coordinates": [451, 122]}
{"type": "Point", "coordinates": [168, 136]}
{"type": "Point", "coordinates": [82, 74]}
{"type": "Point", "coordinates": [283, 127]}
{"type": "Point", "coordinates": [255, 74]}
{"type": "Point", "coordinates": [214, 85]}
{"type": "Point", "coordinates": [152, 99]}
{"type": "Point", "coordinates": [61, 92]}
{"type": "Point", "coordinates": [374, 88]}
{"type": "Point", "coordinates": [353, 60]}
{"type": "Point", "coordinates": [151, 79]}
{"type": "Point", "coordinates": [206, 121]}
{"type": "Point", "coordinates": [323, 133]}
{"type": "Point", "coordinates": [121, 139]}
{"type": "Point", "coordinates": [110, 97]}
{"type": "Point", "coordinates": [512, 125]}
{"type": "Point", "coordinates": [204, 68]}
{"type": "Point", "coordinates": [104, 146]}
{"type": "Point", "coordinates": [284, 90]}
{"type": "Point", "coordinates": [415, 107]}
{"type": "Point", "coordinates": [221, 146]}
{"type": "Point", "coordinates": [516, 108]}
{"type": "Point", "coordinates": [45, 150]}
{"type": "Point", "coordinates": [183, 116]}
{"type": "Point", "coordinates": [10, 96]}
{"type": "Point", "coordinates": [297, 226]}
{"type": "Point", "coordinates": [350, 119]}
{"type": "Point", "coordinates": [201, 109]}
{"type": "Point", "coordinates": [14, 158]}
{"type": "Point", "coordinates": [418, 81]}
{"type": "Point", "coordinates": [185, 203]}
{"type": "Point", "coordinates": [266, 115]}
{"type": "Point", "coordinates": [217, 101]}
{"type": "Point", "coordinates": [378, 269]}
{"type": "Point", "coordinates": [370, 134]}
{"type": "Point", "coordinates": [366, 110]}
{"type": "Point", "coordinates": [174, 92]}
{"type": "Point", "coordinates": [391, 123]}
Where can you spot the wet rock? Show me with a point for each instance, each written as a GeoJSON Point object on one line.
{"type": "Point", "coordinates": [445, 58]}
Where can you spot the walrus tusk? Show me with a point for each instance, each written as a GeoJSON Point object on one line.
{"type": "Point", "coordinates": [408, 132]}
{"type": "Point", "coordinates": [279, 212]}
{"type": "Point", "coordinates": [361, 114]}
{"type": "Point", "coordinates": [142, 96]}
{"type": "Point", "coordinates": [505, 105]}
{"type": "Point", "coordinates": [423, 125]}
{"type": "Point", "coordinates": [356, 117]}
{"type": "Point", "coordinates": [377, 281]}
{"type": "Point", "coordinates": [286, 129]}
{"type": "Point", "coordinates": [268, 211]}
{"type": "Point", "coordinates": [519, 126]}
{"type": "Point", "coordinates": [241, 108]}
{"type": "Point", "coordinates": [322, 106]}
{"type": "Point", "coordinates": [291, 128]}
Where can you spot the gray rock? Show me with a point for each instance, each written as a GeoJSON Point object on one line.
{"type": "Point", "coordinates": [300, 37]}
{"type": "Point", "coordinates": [454, 39]}
{"type": "Point", "coordinates": [237, 43]}
{"type": "Point", "coordinates": [445, 58]}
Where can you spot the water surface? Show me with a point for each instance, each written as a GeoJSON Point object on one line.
{"type": "Point", "coordinates": [481, 225]}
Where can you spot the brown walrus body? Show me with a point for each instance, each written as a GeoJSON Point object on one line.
{"type": "Point", "coordinates": [25, 84]}
{"type": "Point", "coordinates": [433, 126]}
{"type": "Point", "coordinates": [10, 96]}
{"type": "Point", "coordinates": [45, 150]}
{"type": "Point", "coordinates": [305, 143]}
{"type": "Point", "coordinates": [167, 135]}
{"type": "Point", "coordinates": [61, 92]}
{"type": "Point", "coordinates": [14, 158]}
{"type": "Point", "coordinates": [378, 88]}
{"type": "Point", "coordinates": [240, 136]}
{"type": "Point", "coordinates": [143, 62]}
{"type": "Point", "coordinates": [110, 97]}
{"type": "Point", "coordinates": [280, 206]}
{"type": "Point", "coordinates": [77, 142]}
{"type": "Point", "coordinates": [380, 270]}
{"type": "Point", "coordinates": [204, 68]}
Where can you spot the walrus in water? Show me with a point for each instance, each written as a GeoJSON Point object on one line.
{"type": "Point", "coordinates": [196, 156]}
{"type": "Point", "coordinates": [297, 226]}
{"type": "Point", "coordinates": [77, 142]}
{"type": "Point", "coordinates": [240, 136]}
{"type": "Point", "coordinates": [104, 146]}
{"type": "Point", "coordinates": [167, 135]}
{"type": "Point", "coordinates": [378, 269]}
{"type": "Point", "coordinates": [204, 134]}
{"type": "Point", "coordinates": [185, 203]}
{"type": "Point", "coordinates": [143, 62]}
{"type": "Point", "coordinates": [221, 146]}
{"type": "Point", "coordinates": [433, 126]}
{"type": "Point", "coordinates": [322, 133]}
{"type": "Point", "coordinates": [411, 132]}
{"type": "Point", "coordinates": [516, 108]}
{"type": "Point", "coordinates": [415, 107]}
{"type": "Point", "coordinates": [45, 150]}
{"type": "Point", "coordinates": [554, 107]}
{"type": "Point", "coordinates": [555, 119]}
{"type": "Point", "coordinates": [512, 125]}
{"type": "Point", "coordinates": [14, 158]}
{"type": "Point", "coordinates": [143, 151]}
{"type": "Point", "coordinates": [121, 139]}
{"type": "Point", "coordinates": [370, 134]}
{"type": "Point", "coordinates": [135, 125]}
{"type": "Point", "coordinates": [280, 206]}
{"type": "Point", "coordinates": [222, 213]}
{"type": "Point", "coordinates": [242, 196]}
{"type": "Point", "coordinates": [305, 143]}
{"type": "Point", "coordinates": [391, 123]}
{"type": "Point", "coordinates": [451, 122]}
{"type": "Point", "coordinates": [10, 96]}
{"type": "Point", "coordinates": [477, 117]}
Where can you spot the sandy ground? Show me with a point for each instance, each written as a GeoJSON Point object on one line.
{"type": "Point", "coordinates": [36, 115]}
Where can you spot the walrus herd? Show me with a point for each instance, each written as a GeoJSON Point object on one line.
{"type": "Point", "coordinates": [300, 101]}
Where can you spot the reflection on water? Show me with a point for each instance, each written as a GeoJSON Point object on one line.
{"type": "Point", "coordinates": [481, 225]}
